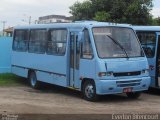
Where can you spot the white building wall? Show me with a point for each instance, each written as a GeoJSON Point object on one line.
{"type": "Point", "coordinates": [53, 20]}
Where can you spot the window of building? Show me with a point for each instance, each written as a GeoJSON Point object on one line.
{"type": "Point", "coordinates": [87, 52]}
{"type": "Point", "coordinates": [57, 42]}
{"type": "Point", "coordinates": [20, 40]}
{"type": "Point", "coordinates": [37, 43]}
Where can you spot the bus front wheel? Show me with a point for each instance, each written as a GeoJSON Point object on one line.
{"type": "Point", "coordinates": [89, 91]}
{"type": "Point", "coordinates": [33, 80]}
{"type": "Point", "coordinates": [134, 95]}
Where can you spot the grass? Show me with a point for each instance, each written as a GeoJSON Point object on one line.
{"type": "Point", "coordinates": [11, 80]}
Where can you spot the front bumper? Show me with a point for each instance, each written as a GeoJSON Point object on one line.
{"type": "Point", "coordinates": [104, 87]}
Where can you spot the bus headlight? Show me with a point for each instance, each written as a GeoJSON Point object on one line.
{"type": "Point", "coordinates": [145, 71]}
{"type": "Point", "coordinates": [101, 74]}
{"type": "Point", "coordinates": [109, 73]}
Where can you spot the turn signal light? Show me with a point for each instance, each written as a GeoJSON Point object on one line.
{"type": "Point", "coordinates": [145, 71]}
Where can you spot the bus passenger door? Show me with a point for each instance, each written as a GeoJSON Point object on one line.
{"type": "Point", "coordinates": [74, 59]}
{"type": "Point", "coordinates": [158, 61]}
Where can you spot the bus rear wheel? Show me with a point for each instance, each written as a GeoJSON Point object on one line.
{"type": "Point", "coordinates": [33, 80]}
{"type": "Point", "coordinates": [133, 95]}
{"type": "Point", "coordinates": [89, 91]}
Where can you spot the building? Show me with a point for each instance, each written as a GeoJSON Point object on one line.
{"type": "Point", "coordinates": [8, 31]}
{"type": "Point", "coordinates": [54, 19]}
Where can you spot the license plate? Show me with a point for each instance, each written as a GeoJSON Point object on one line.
{"type": "Point", "coordinates": [127, 90]}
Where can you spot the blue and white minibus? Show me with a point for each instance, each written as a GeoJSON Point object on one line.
{"type": "Point", "coordinates": [93, 57]}
{"type": "Point", "coordinates": [149, 37]}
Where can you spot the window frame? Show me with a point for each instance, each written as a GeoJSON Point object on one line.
{"type": "Point", "coordinates": [49, 38]}
{"type": "Point", "coordinates": [81, 54]}
{"type": "Point", "coordinates": [45, 40]}
{"type": "Point", "coordinates": [14, 35]}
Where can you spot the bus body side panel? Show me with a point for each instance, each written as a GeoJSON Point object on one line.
{"type": "Point", "coordinates": [88, 66]}
{"type": "Point", "coordinates": [157, 82]}
{"type": "Point", "coordinates": [87, 69]}
{"type": "Point", "coordinates": [49, 68]}
{"type": "Point", "coordinates": [152, 62]}
{"type": "Point", "coordinates": [20, 71]}
{"type": "Point", "coordinates": [51, 78]}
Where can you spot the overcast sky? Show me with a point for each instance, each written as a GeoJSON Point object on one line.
{"type": "Point", "coordinates": [14, 11]}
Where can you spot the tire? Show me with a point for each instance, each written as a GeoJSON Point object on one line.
{"type": "Point", "coordinates": [33, 80]}
{"type": "Point", "coordinates": [133, 95]}
{"type": "Point", "coordinates": [89, 91]}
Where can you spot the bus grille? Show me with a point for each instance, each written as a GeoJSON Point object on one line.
{"type": "Point", "coordinates": [127, 74]}
{"type": "Point", "coordinates": [128, 83]}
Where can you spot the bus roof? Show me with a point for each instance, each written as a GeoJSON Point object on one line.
{"type": "Point", "coordinates": [79, 24]}
{"type": "Point", "coordinates": [146, 28]}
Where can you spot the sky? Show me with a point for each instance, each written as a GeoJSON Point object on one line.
{"type": "Point", "coordinates": [17, 12]}
{"type": "Point", "coordinates": [156, 9]}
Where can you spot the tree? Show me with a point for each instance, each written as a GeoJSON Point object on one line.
{"type": "Point", "coordinates": [156, 21]}
{"type": "Point", "coordinates": [81, 11]}
{"type": "Point", "coordinates": [121, 11]}
{"type": "Point", "coordinates": [102, 16]}
{"type": "Point", "coordinates": [138, 12]}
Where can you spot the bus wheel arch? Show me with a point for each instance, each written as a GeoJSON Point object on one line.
{"type": "Point", "coordinates": [88, 89]}
{"type": "Point", "coordinates": [29, 72]}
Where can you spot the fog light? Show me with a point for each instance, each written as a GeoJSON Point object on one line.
{"type": "Point", "coordinates": [111, 88]}
{"type": "Point", "coordinates": [144, 86]}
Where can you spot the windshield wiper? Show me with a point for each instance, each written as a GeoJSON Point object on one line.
{"type": "Point", "coordinates": [117, 43]}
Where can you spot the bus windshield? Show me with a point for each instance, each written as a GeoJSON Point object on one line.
{"type": "Point", "coordinates": [106, 47]}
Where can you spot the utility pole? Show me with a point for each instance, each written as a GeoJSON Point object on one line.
{"type": "Point", "coordinates": [30, 20]}
{"type": "Point", "coordinates": [4, 23]}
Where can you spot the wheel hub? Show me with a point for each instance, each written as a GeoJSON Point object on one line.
{"type": "Point", "coordinates": [89, 91]}
{"type": "Point", "coordinates": [33, 80]}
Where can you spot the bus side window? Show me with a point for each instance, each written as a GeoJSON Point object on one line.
{"type": "Point", "coordinates": [20, 42]}
{"type": "Point", "coordinates": [158, 50]}
{"type": "Point", "coordinates": [57, 42]}
{"type": "Point", "coordinates": [37, 43]}
{"type": "Point", "coordinates": [87, 52]}
{"type": "Point", "coordinates": [148, 42]}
